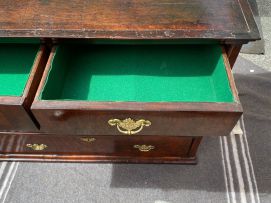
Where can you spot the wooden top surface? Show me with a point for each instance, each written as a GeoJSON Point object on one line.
{"type": "Point", "coordinates": [128, 19]}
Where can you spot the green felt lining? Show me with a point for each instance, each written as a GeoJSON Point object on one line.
{"type": "Point", "coordinates": [16, 61]}
{"type": "Point", "coordinates": [141, 73]}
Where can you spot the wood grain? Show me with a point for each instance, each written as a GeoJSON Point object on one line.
{"type": "Point", "coordinates": [129, 19]}
{"type": "Point", "coordinates": [71, 148]}
{"type": "Point", "coordinates": [233, 52]}
{"type": "Point", "coordinates": [15, 114]}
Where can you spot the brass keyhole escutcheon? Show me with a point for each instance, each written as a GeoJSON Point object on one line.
{"type": "Point", "coordinates": [129, 126]}
{"type": "Point", "coordinates": [37, 147]}
{"type": "Point", "coordinates": [144, 148]}
{"type": "Point", "coordinates": [87, 139]}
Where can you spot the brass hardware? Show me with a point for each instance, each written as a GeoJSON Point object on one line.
{"type": "Point", "coordinates": [37, 147]}
{"type": "Point", "coordinates": [87, 139]}
{"type": "Point", "coordinates": [144, 148]}
{"type": "Point", "coordinates": [128, 126]}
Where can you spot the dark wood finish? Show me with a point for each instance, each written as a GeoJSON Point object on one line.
{"type": "Point", "coordinates": [194, 146]}
{"type": "Point", "coordinates": [233, 52]}
{"type": "Point", "coordinates": [229, 22]}
{"type": "Point", "coordinates": [88, 122]}
{"type": "Point", "coordinates": [176, 118]}
{"type": "Point", "coordinates": [230, 77]}
{"type": "Point", "coordinates": [225, 20]}
{"type": "Point", "coordinates": [35, 76]}
{"type": "Point", "coordinates": [97, 159]}
{"type": "Point", "coordinates": [13, 117]}
{"type": "Point", "coordinates": [15, 112]}
{"type": "Point", "coordinates": [104, 149]}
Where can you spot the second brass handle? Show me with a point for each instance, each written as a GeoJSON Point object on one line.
{"type": "Point", "coordinates": [87, 139]}
{"type": "Point", "coordinates": [129, 126]}
{"type": "Point", "coordinates": [144, 148]}
{"type": "Point", "coordinates": [37, 147]}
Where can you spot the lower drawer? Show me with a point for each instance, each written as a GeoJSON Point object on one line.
{"type": "Point", "coordinates": [91, 148]}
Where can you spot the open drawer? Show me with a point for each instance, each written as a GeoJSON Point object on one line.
{"type": "Point", "coordinates": [185, 90]}
{"type": "Point", "coordinates": [21, 68]}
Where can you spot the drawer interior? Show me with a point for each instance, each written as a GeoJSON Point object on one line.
{"type": "Point", "coordinates": [141, 73]}
{"type": "Point", "coordinates": [16, 61]}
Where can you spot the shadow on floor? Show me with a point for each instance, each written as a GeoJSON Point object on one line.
{"type": "Point", "coordinates": [206, 175]}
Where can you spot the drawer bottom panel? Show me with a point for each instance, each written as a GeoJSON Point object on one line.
{"type": "Point", "coordinates": [128, 149]}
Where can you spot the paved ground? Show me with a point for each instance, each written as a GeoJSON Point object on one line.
{"type": "Point", "coordinates": [263, 61]}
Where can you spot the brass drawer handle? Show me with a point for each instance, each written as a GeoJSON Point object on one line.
{"type": "Point", "coordinates": [37, 147]}
{"type": "Point", "coordinates": [144, 148]}
{"type": "Point", "coordinates": [129, 126]}
{"type": "Point", "coordinates": [87, 139]}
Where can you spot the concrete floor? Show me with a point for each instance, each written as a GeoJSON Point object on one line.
{"type": "Point", "coordinates": [263, 61]}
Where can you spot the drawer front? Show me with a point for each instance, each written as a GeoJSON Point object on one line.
{"type": "Point", "coordinates": [121, 146]}
{"type": "Point", "coordinates": [16, 99]}
{"type": "Point", "coordinates": [137, 123]}
{"type": "Point", "coordinates": [87, 101]}
{"type": "Point", "coordinates": [15, 118]}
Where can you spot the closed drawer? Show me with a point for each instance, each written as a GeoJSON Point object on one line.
{"type": "Point", "coordinates": [185, 90]}
{"type": "Point", "coordinates": [121, 147]}
{"type": "Point", "coordinates": [21, 67]}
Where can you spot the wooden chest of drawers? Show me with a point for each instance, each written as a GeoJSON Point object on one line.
{"type": "Point", "coordinates": [113, 87]}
